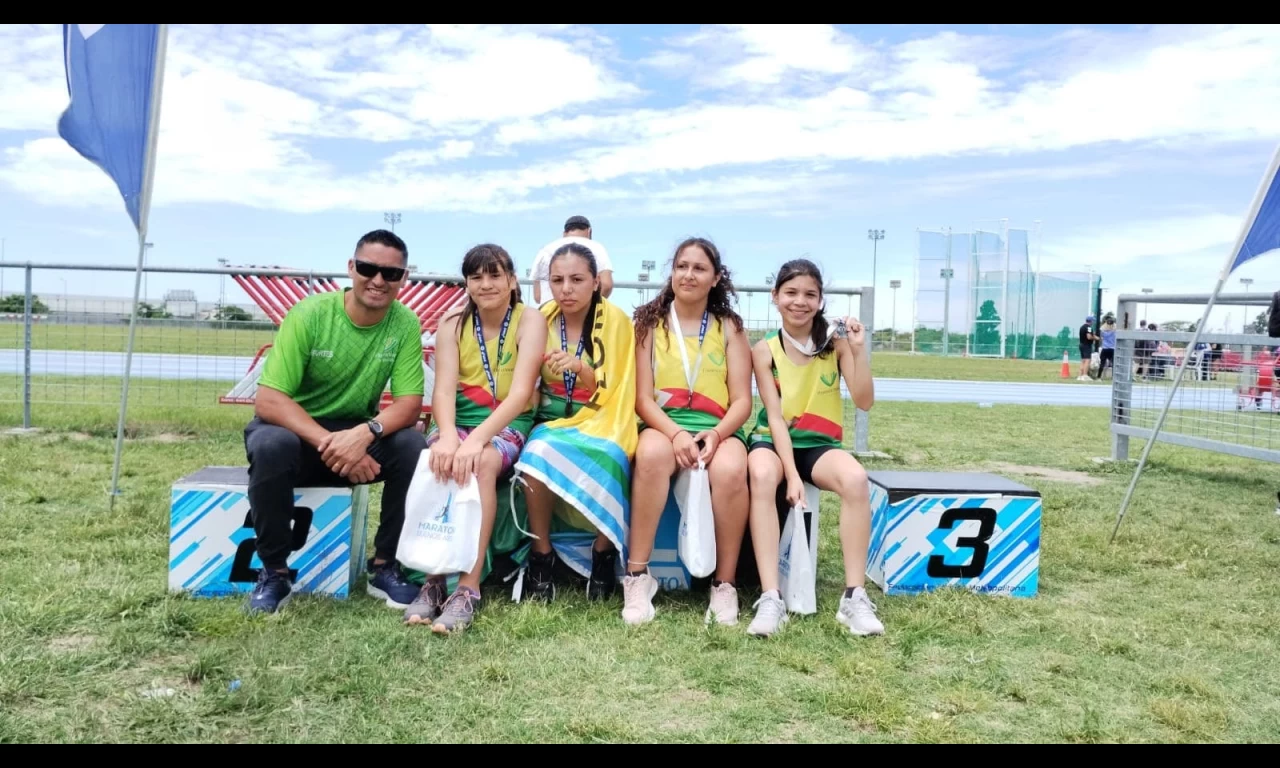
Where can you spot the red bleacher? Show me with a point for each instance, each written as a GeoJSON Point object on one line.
{"type": "Point", "coordinates": [275, 295]}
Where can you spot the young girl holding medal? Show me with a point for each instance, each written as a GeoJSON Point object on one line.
{"type": "Point", "coordinates": [797, 440]}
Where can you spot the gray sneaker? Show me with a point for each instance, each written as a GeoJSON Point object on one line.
{"type": "Point", "coordinates": [458, 612]}
{"type": "Point", "coordinates": [858, 613]}
{"type": "Point", "coordinates": [771, 614]}
{"type": "Point", "coordinates": [426, 606]}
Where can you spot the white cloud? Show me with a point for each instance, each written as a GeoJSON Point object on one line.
{"type": "Point", "coordinates": [1163, 244]}
{"type": "Point", "coordinates": [245, 106]}
{"type": "Point", "coordinates": [417, 158]}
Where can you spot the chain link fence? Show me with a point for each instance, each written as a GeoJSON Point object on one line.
{"type": "Point", "coordinates": [70, 353]}
{"type": "Point", "coordinates": [977, 295]}
{"type": "Point", "coordinates": [1228, 400]}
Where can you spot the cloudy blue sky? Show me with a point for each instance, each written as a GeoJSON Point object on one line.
{"type": "Point", "coordinates": [1137, 148]}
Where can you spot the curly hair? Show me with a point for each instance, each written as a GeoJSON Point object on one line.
{"type": "Point", "coordinates": [719, 301]}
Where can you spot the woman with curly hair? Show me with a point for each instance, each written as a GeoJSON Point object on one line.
{"type": "Point", "coordinates": [693, 393]}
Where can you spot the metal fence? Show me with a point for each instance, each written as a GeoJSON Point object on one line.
{"type": "Point", "coordinates": [77, 358]}
{"type": "Point", "coordinates": [1229, 398]}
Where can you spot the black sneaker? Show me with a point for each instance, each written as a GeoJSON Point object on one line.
{"type": "Point", "coordinates": [271, 593]}
{"type": "Point", "coordinates": [539, 581]}
{"type": "Point", "coordinates": [387, 583]}
{"type": "Point", "coordinates": [604, 575]}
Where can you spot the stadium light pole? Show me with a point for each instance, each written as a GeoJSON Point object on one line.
{"type": "Point", "coordinates": [391, 218]}
{"type": "Point", "coordinates": [1145, 306]}
{"type": "Point", "coordinates": [146, 248]}
{"type": "Point", "coordinates": [876, 236]}
{"type": "Point", "coordinates": [1246, 282]}
{"type": "Point", "coordinates": [894, 285]}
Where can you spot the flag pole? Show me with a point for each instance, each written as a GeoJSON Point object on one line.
{"type": "Point", "coordinates": [1267, 180]}
{"type": "Point", "coordinates": [144, 211]}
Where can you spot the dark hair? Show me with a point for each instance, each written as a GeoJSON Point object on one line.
{"type": "Point", "coordinates": [719, 300]}
{"type": "Point", "coordinates": [489, 259]}
{"type": "Point", "coordinates": [805, 268]}
{"type": "Point", "coordinates": [584, 253]}
{"type": "Point", "coordinates": [576, 222]}
{"type": "Point", "coordinates": [384, 237]}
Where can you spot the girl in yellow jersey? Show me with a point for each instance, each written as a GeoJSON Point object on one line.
{"type": "Point", "coordinates": [577, 461]}
{"type": "Point", "coordinates": [797, 439]}
{"type": "Point", "coordinates": [693, 403]}
{"type": "Point", "coordinates": [487, 360]}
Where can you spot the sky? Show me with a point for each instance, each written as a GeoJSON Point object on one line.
{"type": "Point", "coordinates": [1135, 150]}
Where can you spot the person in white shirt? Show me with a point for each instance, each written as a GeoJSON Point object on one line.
{"type": "Point", "coordinates": [576, 230]}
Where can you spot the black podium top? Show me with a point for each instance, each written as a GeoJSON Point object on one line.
{"type": "Point", "coordinates": [218, 476]}
{"type": "Point", "coordinates": [901, 485]}
{"type": "Point", "coordinates": [240, 476]}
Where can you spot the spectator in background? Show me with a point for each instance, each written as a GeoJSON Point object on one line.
{"type": "Point", "coordinates": [1107, 358]}
{"type": "Point", "coordinates": [1087, 338]}
{"type": "Point", "coordinates": [576, 230]}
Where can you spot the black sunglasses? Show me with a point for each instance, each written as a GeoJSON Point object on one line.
{"type": "Point", "coordinates": [390, 274]}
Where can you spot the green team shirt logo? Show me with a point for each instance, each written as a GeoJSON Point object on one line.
{"type": "Point", "coordinates": [716, 358]}
{"type": "Point", "coordinates": [335, 369]}
{"type": "Point", "coordinates": [829, 378]}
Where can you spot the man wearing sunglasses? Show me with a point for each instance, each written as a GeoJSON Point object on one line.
{"type": "Point", "coordinates": [316, 417]}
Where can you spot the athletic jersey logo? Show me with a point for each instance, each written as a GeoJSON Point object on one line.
{"type": "Point", "coordinates": [716, 358]}
{"type": "Point", "coordinates": [829, 379]}
{"type": "Point", "coordinates": [506, 358]}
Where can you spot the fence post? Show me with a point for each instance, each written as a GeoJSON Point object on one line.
{"type": "Point", "coordinates": [1122, 379]}
{"type": "Point", "coordinates": [26, 352]}
{"type": "Point", "coordinates": [866, 315]}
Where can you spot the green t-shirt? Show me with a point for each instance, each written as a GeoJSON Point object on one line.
{"type": "Point", "coordinates": [336, 369]}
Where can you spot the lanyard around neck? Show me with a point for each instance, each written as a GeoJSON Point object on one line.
{"type": "Point", "coordinates": [484, 352]}
{"type": "Point", "coordinates": [690, 374]}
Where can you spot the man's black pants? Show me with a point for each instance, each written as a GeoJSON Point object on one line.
{"type": "Point", "coordinates": [279, 462]}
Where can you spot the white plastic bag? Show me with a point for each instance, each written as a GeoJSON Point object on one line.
{"type": "Point", "coordinates": [441, 533]}
{"type": "Point", "coordinates": [797, 561]}
{"type": "Point", "coordinates": [697, 542]}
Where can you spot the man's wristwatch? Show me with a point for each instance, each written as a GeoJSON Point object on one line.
{"type": "Point", "coordinates": [375, 427]}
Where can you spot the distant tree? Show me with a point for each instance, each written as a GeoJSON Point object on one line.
{"type": "Point", "coordinates": [150, 312]}
{"type": "Point", "coordinates": [987, 334]}
{"type": "Point", "coordinates": [233, 313]}
{"type": "Point", "coordinates": [1259, 325]}
{"type": "Point", "coordinates": [14, 303]}
{"type": "Point", "coordinates": [1179, 326]}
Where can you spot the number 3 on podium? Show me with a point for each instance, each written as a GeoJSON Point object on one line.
{"type": "Point", "coordinates": [937, 567]}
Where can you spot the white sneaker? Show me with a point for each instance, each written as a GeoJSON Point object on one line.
{"type": "Point", "coordinates": [771, 614]}
{"type": "Point", "coordinates": [637, 598]}
{"type": "Point", "coordinates": [724, 606]}
{"type": "Point", "coordinates": [858, 613]}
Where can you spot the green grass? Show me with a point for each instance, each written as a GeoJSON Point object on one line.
{"type": "Point", "coordinates": [189, 339]}
{"type": "Point", "coordinates": [1169, 635]}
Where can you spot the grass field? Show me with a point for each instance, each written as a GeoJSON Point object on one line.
{"type": "Point", "coordinates": [1169, 635]}
{"type": "Point", "coordinates": [191, 339]}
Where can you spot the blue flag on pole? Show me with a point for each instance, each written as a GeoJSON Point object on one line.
{"type": "Point", "coordinates": [110, 71]}
{"type": "Point", "coordinates": [1262, 230]}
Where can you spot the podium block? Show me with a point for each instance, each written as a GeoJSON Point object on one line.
{"type": "Point", "coordinates": [212, 544]}
{"type": "Point", "coordinates": [929, 530]}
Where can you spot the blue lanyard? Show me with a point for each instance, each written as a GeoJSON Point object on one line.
{"type": "Point", "coordinates": [570, 378]}
{"type": "Point", "coordinates": [484, 353]}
